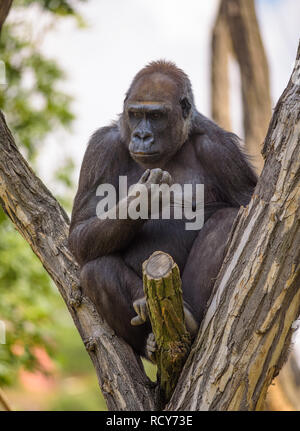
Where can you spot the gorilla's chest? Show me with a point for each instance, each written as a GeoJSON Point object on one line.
{"type": "Point", "coordinates": [168, 235]}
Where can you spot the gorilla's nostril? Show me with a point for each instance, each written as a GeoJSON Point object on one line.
{"type": "Point", "coordinates": [149, 140]}
{"type": "Point", "coordinates": [144, 136]}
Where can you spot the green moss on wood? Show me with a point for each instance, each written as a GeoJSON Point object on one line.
{"type": "Point", "coordinates": [165, 307]}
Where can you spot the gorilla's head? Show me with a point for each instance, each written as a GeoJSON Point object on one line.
{"type": "Point", "coordinates": [157, 113]}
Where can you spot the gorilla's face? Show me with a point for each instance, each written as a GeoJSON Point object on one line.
{"type": "Point", "coordinates": [156, 122]}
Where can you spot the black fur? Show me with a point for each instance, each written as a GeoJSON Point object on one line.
{"type": "Point", "coordinates": [192, 149]}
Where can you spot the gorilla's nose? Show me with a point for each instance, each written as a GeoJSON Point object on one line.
{"type": "Point", "coordinates": [144, 136]}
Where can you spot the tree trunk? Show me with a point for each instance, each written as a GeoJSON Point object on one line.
{"type": "Point", "coordinates": [3, 402]}
{"type": "Point", "coordinates": [237, 31]}
{"type": "Point", "coordinates": [44, 225]}
{"type": "Point", "coordinates": [244, 338]}
{"type": "Point", "coordinates": [221, 48]}
{"type": "Point", "coordinates": [279, 397]}
{"type": "Point", "coordinates": [5, 6]}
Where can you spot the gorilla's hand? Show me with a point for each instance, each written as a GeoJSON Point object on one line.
{"type": "Point", "coordinates": [155, 176]}
{"type": "Point", "coordinates": [151, 177]}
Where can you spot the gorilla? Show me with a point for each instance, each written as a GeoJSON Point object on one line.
{"type": "Point", "coordinates": [160, 138]}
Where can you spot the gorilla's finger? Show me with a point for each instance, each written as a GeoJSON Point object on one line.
{"type": "Point", "coordinates": [166, 178]}
{"type": "Point", "coordinates": [155, 176]}
{"type": "Point", "coordinates": [145, 176]}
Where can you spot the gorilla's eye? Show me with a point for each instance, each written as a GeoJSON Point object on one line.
{"type": "Point", "coordinates": [136, 115]}
{"type": "Point", "coordinates": [155, 115]}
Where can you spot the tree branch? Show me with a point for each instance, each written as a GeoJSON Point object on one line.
{"type": "Point", "coordinates": [4, 402]}
{"type": "Point", "coordinates": [221, 48]}
{"type": "Point", "coordinates": [236, 32]}
{"type": "Point", "coordinates": [244, 338]}
{"type": "Point", "coordinates": [5, 6]}
{"type": "Point", "coordinates": [162, 287]}
{"type": "Point", "coordinates": [44, 225]}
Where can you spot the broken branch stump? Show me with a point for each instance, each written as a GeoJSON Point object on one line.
{"type": "Point", "coordinates": [162, 286]}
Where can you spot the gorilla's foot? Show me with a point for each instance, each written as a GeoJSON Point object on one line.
{"type": "Point", "coordinates": [151, 347]}
{"type": "Point", "coordinates": [140, 308]}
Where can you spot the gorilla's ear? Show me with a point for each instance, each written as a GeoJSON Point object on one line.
{"type": "Point", "coordinates": [185, 106]}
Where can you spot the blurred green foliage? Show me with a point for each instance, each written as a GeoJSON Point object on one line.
{"type": "Point", "coordinates": [30, 306]}
{"type": "Point", "coordinates": [58, 7]}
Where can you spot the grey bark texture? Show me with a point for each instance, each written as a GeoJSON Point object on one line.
{"type": "Point", "coordinates": [244, 338]}
{"type": "Point", "coordinates": [44, 225]}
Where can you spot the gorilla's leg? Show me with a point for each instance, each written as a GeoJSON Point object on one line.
{"type": "Point", "coordinates": [205, 260]}
{"type": "Point", "coordinates": [113, 287]}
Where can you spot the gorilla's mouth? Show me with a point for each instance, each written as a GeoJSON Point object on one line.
{"type": "Point", "coordinates": [142, 155]}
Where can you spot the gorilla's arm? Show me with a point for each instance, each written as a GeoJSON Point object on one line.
{"type": "Point", "coordinates": [224, 163]}
{"type": "Point", "coordinates": [91, 237]}
{"type": "Point", "coordinates": [94, 238]}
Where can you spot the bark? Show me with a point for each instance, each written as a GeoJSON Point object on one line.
{"type": "Point", "coordinates": [5, 6]}
{"type": "Point", "coordinates": [162, 286]}
{"type": "Point", "coordinates": [245, 335]}
{"type": "Point", "coordinates": [44, 225]}
{"type": "Point", "coordinates": [4, 402]}
{"type": "Point", "coordinates": [237, 31]}
{"type": "Point", "coordinates": [220, 89]}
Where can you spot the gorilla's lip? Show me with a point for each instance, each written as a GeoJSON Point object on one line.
{"type": "Point", "coordinates": [141, 154]}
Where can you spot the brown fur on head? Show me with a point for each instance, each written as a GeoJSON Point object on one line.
{"type": "Point", "coordinates": [172, 71]}
{"type": "Point", "coordinates": [160, 83]}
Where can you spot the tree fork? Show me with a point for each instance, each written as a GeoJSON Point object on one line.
{"type": "Point", "coordinates": [245, 334]}
{"type": "Point", "coordinates": [45, 226]}
{"type": "Point", "coordinates": [162, 286]}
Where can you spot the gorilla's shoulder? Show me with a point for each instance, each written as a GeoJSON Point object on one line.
{"type": "Point", "coordinates": [107, 137]}
{"type": "Point", "coordinates": [103, 155]}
